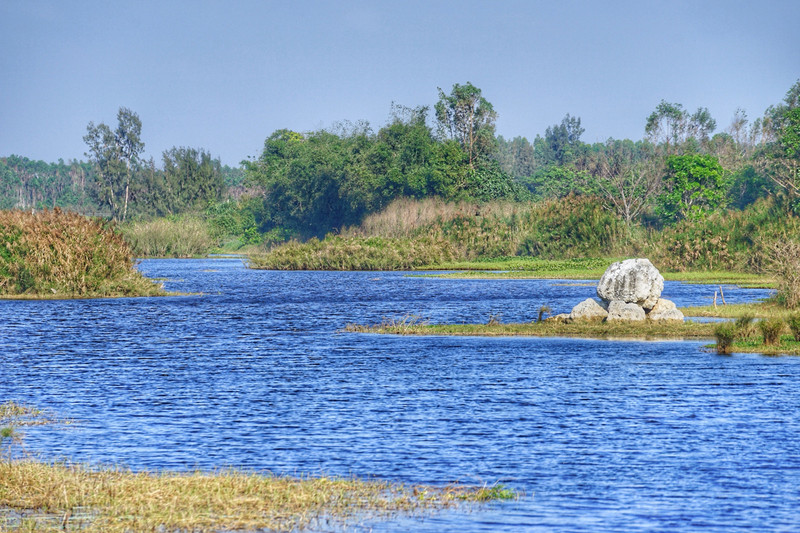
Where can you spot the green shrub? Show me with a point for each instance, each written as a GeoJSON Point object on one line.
{"type": "Point", "coordinates": [771, 329]}
{"type": "Point", "coordinates": [55, 253]}
{"type": "Point", "coordinates": [725, 333]}
{"type": "Point", "coordinates": [794, 325]}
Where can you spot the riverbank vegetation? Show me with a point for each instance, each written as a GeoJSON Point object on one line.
{"type": "Point", "coordinates": [688, 195]}
{"type": "Point", "coordinates": [39, 496]}
{"type": "Point", "coordinates": [412, 325]}
{"type": "Point", "coordinates": [58, 254]}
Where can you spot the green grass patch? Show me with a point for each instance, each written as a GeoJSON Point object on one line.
{"type": "Point", "coordinates": [767, 309]}
{"type": "Point", "coordinates": [546, 328]}
{"type": "Point", "coordinates": [57, 497]}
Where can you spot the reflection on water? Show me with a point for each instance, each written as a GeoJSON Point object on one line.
{"type": "Point", "coordinates": [599, 435]}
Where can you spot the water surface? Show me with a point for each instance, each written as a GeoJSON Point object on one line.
{"type": "Point", "coordinates": [598, 435]}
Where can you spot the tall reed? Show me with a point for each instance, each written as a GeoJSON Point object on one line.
{"type": "Point", "coordinates": [57, 253]}
{"type": "Point", "coordinates": [165, 237]}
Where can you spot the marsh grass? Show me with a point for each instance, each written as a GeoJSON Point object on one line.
{"type": "Point", "coordinates": [354, 253]}
{"type": "Point", "coordinates": [38, 496]}
{"type": "Point", "coordinates": [740, 335]}
{"type": "Point", "coordinates": [47, 496]}
{"type": "Point", "coordinates": [549, 328]}
{"type": "Point", "coordinates": [767, 309]}
{"type": "Point", "coordinates": [56, 254]}
{"type": "Point", "coordinates": [771, 329]}
{"type": "Point", "coordinates": [793, 322]}
{"type": "Point", "coordinates": [169, 237]}
{"type": "Point", "coordinates": [725, 334]}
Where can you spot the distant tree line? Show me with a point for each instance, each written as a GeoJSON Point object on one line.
{"type": "Point", "coordinates": [116, 182]}
{"type": "Point", "coordinates": [307, 184]}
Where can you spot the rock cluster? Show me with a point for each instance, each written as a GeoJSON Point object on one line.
{"type": "Point", "coordinates": [629, 290]}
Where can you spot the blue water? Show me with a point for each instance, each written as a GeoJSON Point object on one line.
{"type": "Point", "coordinates": [597, 435]}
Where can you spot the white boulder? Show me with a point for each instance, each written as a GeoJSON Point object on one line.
{"type": "Point", "coordinates": [628, 311]}
{"type": "Point", "coordinates": [588, 309]}
{"type": "Point", "coordinates": [634, 281]}
{"type": "Point", "coordinates": [665, 310]}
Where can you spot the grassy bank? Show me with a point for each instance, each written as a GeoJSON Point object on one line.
{"type": "Point", "coordinates": [38, 496]}
{"type": "Point", "coordinates": [57, 497]}
{"type": "Point", "coordinates": [355, 253]}
{"type": "Point", "coordinates": [55, 254]}
{"type": "Point", "coordinates": [576, 233]}
{"type": "Point", "coordinates": [765, 328]}
{"type": "Point", "coordinates": [544, 328]}
{"type": "Point", "coordinates": [169, 237]}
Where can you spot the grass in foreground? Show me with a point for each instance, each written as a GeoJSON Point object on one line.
{"type": "Point", "coordinates": [37, 496]}
{"type": "Point", "coordinates": [45, 497]}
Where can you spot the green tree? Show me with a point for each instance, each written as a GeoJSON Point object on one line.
{"type": "Point", "coordinates": [466, 116]}
{"type": "Point", "coordinates": [672, 126]}
{"type": "Point", "coordinates": [115, 154]}
{"type": "Point", "coordinates": [695, 184]}
{"type": "Point", "coordinates": [561, 144]}
{"type": "Point", "coordinates": [192, 179]}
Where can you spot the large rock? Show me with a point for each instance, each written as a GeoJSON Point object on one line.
{"type": "Point", "coordinates": [665, 310]}
{"type": "Point", "coordinates": [619, 310]}
{"type": "Point", "coordinates": [588, 309]}
{"type": "Point", "coordinates": [634, 281]}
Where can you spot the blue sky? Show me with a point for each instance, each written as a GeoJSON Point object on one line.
{"type": "Point", "coordinates": [223, 75]}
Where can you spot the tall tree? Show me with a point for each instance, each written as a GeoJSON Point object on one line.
{"type": "Point", "coordinates": [192, 178]}
{"type": "Point", "coordinates": [672, 126]}
{"type": "Point", "coordinates": [466, 116]}
{"type": "Point", "coordinates": [628, 177]}
{"type": "Point", "coordinates": [116, 157]}
{"type": "Point", "coordinates": [779, 158]}
{"type": "Point", "coordinates": [695, 184]}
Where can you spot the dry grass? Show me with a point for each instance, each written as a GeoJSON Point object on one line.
{"type": "Point", "coordinates": [67, 497]}
{"type": "Point", "coordinates": [36, 496]}
{"type": "Point", "coordinates": [61, 254]}
{"type": "Point", "coordinates": [546, 328]}
{"type": "Point", "coordinates": [162, 237]}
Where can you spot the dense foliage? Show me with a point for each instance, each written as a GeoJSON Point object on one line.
{"type": "Point", "coordinates": [691, 195]}
{"type": "Point", "coordinates": [61, 254]}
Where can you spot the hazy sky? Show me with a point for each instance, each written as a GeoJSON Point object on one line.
{"type": "Point", "coordinates": [223, 75]}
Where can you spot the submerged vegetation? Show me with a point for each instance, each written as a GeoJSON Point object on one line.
{"type": "Point", "coordinates": [57, 254]}
{"type": "Point", "coordinates": [38, 496]}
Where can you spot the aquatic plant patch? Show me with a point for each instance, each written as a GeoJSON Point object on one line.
{"type": "Point", "coordinates": [55, 497]}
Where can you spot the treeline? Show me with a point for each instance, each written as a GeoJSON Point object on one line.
{"type": "Point", "coordinates": [307, 184]}
{"type": "Point", "coordinates": [318, 182]}
{"type": "Point", "coordinates": [115, 183]}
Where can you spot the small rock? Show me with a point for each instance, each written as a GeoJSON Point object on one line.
{"type": "Point", "coordinates": [588, 309]}
{"type": "Point", "coordinates": [562, 318]}
{"type": "Point", "coordinates": [665, 310]}
{"type": "Point", "coordinates": [619, 310]}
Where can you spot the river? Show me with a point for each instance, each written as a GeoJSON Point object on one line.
{"type": "Point", "coordinates": [254, 373]}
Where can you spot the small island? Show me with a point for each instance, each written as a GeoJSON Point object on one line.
{"type": "Point", "coordinates": [631, 307]}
